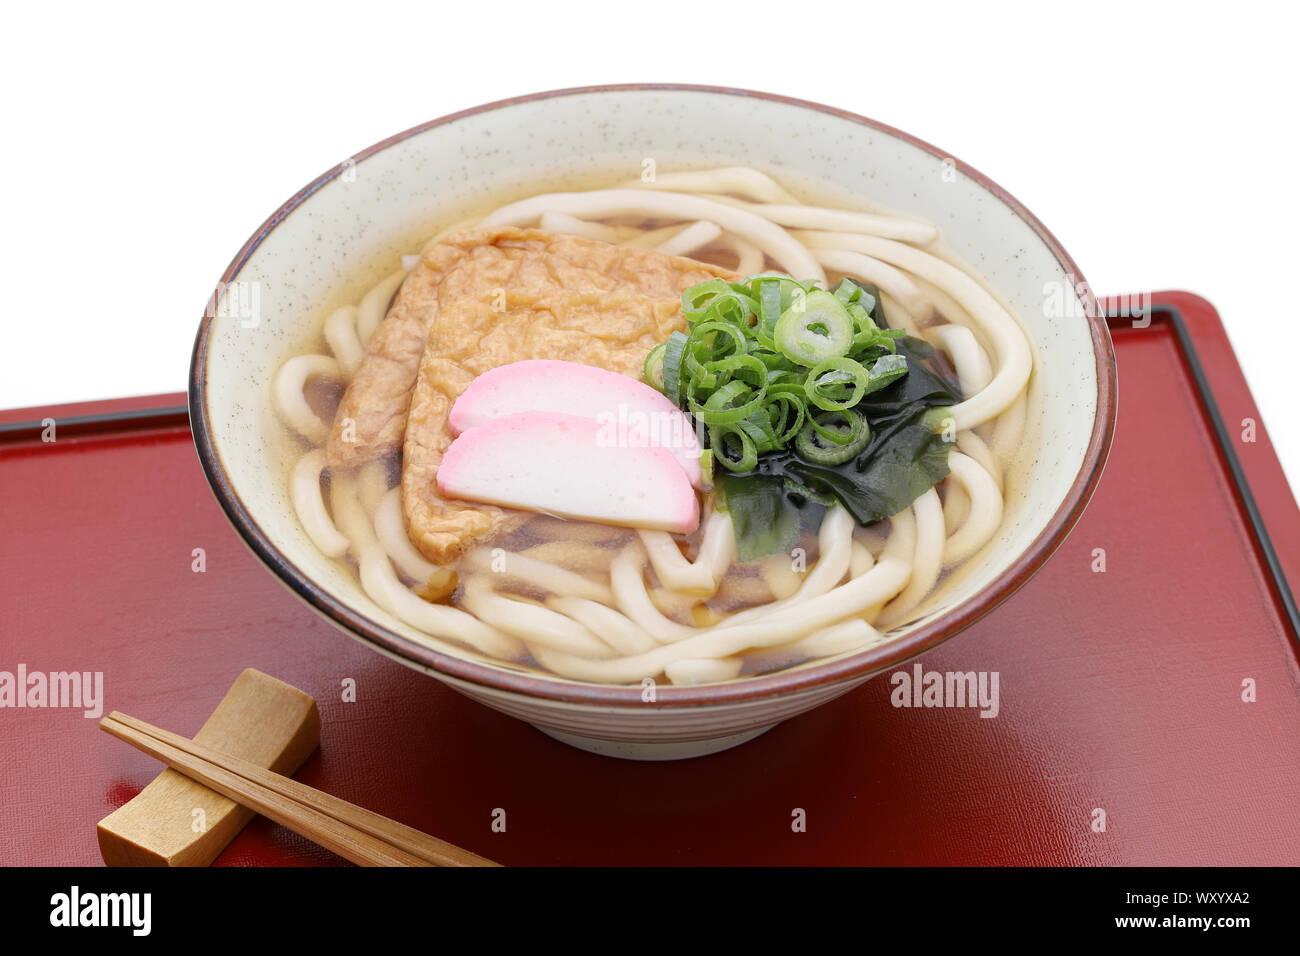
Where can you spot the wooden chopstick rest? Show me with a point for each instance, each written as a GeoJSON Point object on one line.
{"type": "Point", "coordinates": [175, 821]}
{"type": "Point", "coordinates": [333, 834]}
{"type": "Point", "coordinates": [266, 785]}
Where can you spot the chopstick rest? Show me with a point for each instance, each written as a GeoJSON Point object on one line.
{"type": "Point", "coordinates": [175, 821]}
{"type": "Point", "coordinates": [355, 833]}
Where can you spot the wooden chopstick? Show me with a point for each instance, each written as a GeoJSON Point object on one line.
{"type": "Point", "coordinates": [352, 832]}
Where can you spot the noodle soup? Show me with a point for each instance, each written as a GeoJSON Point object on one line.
{"type": "Point", "coordinates": [935, 374]}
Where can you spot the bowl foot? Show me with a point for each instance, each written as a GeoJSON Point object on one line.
{"type": "Point", "coordinates": [643, 750]}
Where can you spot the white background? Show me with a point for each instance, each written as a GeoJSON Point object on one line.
{"type": "Point", "coordinates": [144, 144]}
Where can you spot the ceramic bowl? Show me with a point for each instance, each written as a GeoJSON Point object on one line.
{"type": "Point", "coordinates": [348, 227]}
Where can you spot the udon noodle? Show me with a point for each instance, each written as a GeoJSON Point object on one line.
{"type": "Point", "coordinates": [605, 604]}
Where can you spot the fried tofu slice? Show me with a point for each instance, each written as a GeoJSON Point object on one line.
{"type": "Point", "coordinates": [504, 295]}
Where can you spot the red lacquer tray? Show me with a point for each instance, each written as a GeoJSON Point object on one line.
{"type": "Point", "coordinates": [1119, 691]}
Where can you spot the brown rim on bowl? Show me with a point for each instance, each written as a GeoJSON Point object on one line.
{"type": "Point", "coordinates": [861, 665]}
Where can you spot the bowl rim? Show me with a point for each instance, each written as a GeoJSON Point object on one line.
{"type": "Point", "coordinates": [857, 666]}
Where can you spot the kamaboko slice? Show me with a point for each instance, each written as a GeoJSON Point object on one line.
{"type": "Point", "coordinates": [571, 466]}
{"type": "Point", "coordinates": [640, 414]}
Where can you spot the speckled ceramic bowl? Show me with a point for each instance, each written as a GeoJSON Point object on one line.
{"type": "Point", "coordinates": [347, 228]}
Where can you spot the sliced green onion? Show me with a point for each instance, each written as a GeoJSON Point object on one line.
{"type": "Point", "coordinates": [696, 299]}
{"type": "Point", "coordinates": [730, 306]}
{"type": "Point", "coordinates": [848, 291]}
{"type": "Point", "coordinates": [769, 304]}
{"type": "Point", "coordinates": [674, 351]}
{"type": "Point", "coordinates": [704, 344]}
{"type": "Point", "coordinates": [869, 300]}
{"type": "Point", "coordinates": [886, 370]}
{"type": "Point", "coordinates": [721, 407]}
{"type": "Point", "coordinates": [758, 426]}
{"type": "Point", "coordinates": [653, 370]}
{"type": "Point", "coordinates": [816, 329]}
{"type": "Point", "coordinates": [824, 444]}
{"type": "Point", "coordinates": [770, 362]}
{"type": "Point", "coordinates": [836, 384]}
{"type": "Point", "coordinates": [791, 408]}
{"type": "Point", "coordinates": [739, 366]}
{"type": "Point", "coordinates": [776, 362]}
{"type": "Point", "coordinates": [829, 434]}
{"type": "Point", "coordinates": [720, 439]}
{"type": "Point", "coordinates": [939, 419]}
{"type": "Point", "coordinates": [706, 465]}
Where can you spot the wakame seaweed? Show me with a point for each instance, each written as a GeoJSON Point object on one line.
{"type": "Point", "coordinates": [905, 457]}
{"type": "Point", "coordinates": [884, 479]}
{"type": "Point", "coordinates": [765, 518]}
